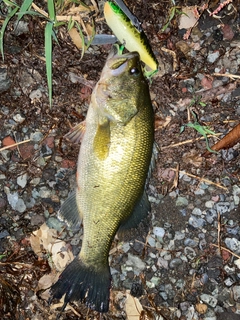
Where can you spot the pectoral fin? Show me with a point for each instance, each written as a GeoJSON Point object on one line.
{"type": "Point", "coordinates": [101, 141]}
{"type": "Point", "coordinates": [75, 135]}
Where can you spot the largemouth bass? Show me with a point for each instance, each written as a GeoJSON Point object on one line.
{"type": "Point", "coordinates": [113, 165]}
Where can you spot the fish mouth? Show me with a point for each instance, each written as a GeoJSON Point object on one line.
{"type": "Point", "coordinates": [118, 63]}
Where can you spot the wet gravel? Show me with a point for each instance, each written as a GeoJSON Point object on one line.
{"type": "Point", "coordinates": [184, 261]}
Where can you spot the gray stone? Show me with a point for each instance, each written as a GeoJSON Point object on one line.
{"type": "Point", "coordinates": [5, 82]}
{"type": "Point", "coordinates": [209, 204]}
{"type": "Point", "coordinates": [136, 263]}
{"type": "Point", "coordinates": [18, 118]}
{"type": "Point", "coordinates": [175, 263]}
{"type": "Point", "coordinates": [4, 234]}
{"type": "Point", "coordinates": [179, 235]}
{"type": "Point", "coordinates": [209, 299]}
{"type": "Point", "coordinates": [54, 223]}
{"type": "Point", "coordinates": [191, 242]}
{"type": "Point", "coordinates": [236, 293]}
{"type": "Point", "coordinates": [196, 222]}
{"type": "Point", "coordinates": [211, 215]}
{"type": "Point", "coordinates": [22, 180]}
{"type": "Point", "coordinates": [36, 136]}
{"type": "Point", "coordinates": [233, 244]}
{"type": "Point", "coordinates": [197, 212]}
{"type": "Point", "coordinates": [159, 232]}
{"type": "Point", "coordinates": [222, 207]}
{"type": "Point", "coordinates": [35, 94]}
{"type": "Point", "coordinates": [15, 202]}
{"type": "Point", "coordinates": [190, 253]}
{"type": "Point", "coordinates": [181, 201]}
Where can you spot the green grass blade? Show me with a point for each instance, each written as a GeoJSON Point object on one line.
{"type": "Point", "coordinates": [4, 25]}
{"type": "Point", "coordinates": [24, 7]}
{"type": "Point", "coordinates": [92, 36]}
{"type": "Point", "coordinates": [51, 10]}
{"type": "Point", "coordinates": [10, 3]}
{"type": "Point", "coordinates": [82, 38]}
{"type": "Point", "coordinates": [48, 56]}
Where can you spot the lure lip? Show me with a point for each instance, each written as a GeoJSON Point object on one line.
{"type": "Point", "coordinates": [134, 20]}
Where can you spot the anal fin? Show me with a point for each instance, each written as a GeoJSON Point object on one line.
{"type": "Point", "coordinates": [140, 212]}
{"type": "Point", "coordinates": [69, 212]}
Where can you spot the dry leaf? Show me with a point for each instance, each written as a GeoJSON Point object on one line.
{"type": "Point", "coordinates": [193, 158]}
{"type": "Point", "coordinates": [187, 20]}
{"type": "Point", "coordinates": [201, 308]}
{"type": "Point", "coordinates": [75, 36]}
{"type": "Point", "coordinates": [77, 10]}
{"type": "Point", "coordinates": [133, 307]}
{"type": "Point", "coordinates": [41, 238]}
{"type": "Point", "coordinates": [45, 239]}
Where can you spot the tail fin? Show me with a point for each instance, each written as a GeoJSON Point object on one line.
{"type": "Point", "coordinates": [84, 283]}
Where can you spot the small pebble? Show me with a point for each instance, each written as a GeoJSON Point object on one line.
{"type": "Point", "coordinates": [222, 207]}
{"type": "Point", "coordinates": [174, 263]}
{"type": "Point", "coordinates": [209, 204]}
{"type": "Point", "coordinates": [159, 232]}
{"type": "Point", "coordinates": [212, 57]}
{"type": "Point", "coordinates": [22, 180]}
{"type": "Point", "coordinates": [196, 222]}
{"type": "Point", "coordinates": [209, 299]}
{"type": "Point", "coordinates": [181, 201]}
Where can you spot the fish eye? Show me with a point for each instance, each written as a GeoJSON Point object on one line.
{"type": "Point", "coordinates": [134, 71]}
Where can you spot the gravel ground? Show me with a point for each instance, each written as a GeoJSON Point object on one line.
{"type": "Point", "coordinates": [184, 262]}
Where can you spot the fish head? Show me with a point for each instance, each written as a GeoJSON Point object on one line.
{"type": "Point", "coordinates": [120, 87]}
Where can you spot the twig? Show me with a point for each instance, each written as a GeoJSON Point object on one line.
{"type": "Point", "coordinates": [229, 75]}
{"type": "Point", "coordinates": [26, 265]}
{"type": "Point", "coordinates": [189, 141]}
{"type": "Point", "coordinates": [219, 230]}
{"type": "Point", "coordinates": [176, 178]}
{"type": "Point", "coordinates": [44, 13]}
{"type": "Point", "coordinates": [14, 145]}
{"type": "Point", "coordinates": [202, 179]}
{"type": "Point", "coordinates": [223, 248]}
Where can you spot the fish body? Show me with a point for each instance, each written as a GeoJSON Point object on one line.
{"type": "Point", "coordinates": [113, 165]}
{"type": "Point", "coordinates": [129, 35]}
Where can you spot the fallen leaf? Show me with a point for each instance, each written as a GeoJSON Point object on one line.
{"type": "Point", "coordinates": [201, 308]}
{"type": "Point", "coordinates": [45, 239]}
{"type": "Point", "coordinates": [193, 158]}
{"type": "Point", "coordinates": [76, 38]}
{"type": "Point", "coordinates": [188, 19]}
{"type": "Point", "coordinates": [133, 307]}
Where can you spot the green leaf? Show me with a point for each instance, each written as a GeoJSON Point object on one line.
{"type": "Point", "coordinates": [4, 25]}
{"type": "Point", "coordinates": [31, 13]}
{"type": "Point", "coordinates": [24, 7]}
{"type": "Point", "coordinates": [182, 128]}
{"type": "Point", "coordinates": [70, 24]}
{"type": "Point", "coordinates": [82, 38]}
{"type": "Point", "coordinates": [10, 3]}
{"type": "Point", "coordinates": [51, 10]}
{"type": "Point", "coordinates": [48, 56]}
